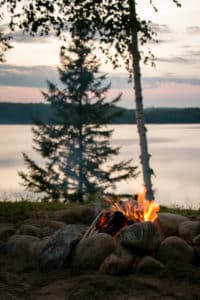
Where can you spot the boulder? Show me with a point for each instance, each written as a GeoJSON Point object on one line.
{"type": "Point", "coordinates": [20, 245]}
{"type": "Point", "coordinates": [169, 223]}
{"type": "Point", "coordinates": [115, 265]}
{"type": "Point", "coordinates": [51, 226]}
{"type": "Point", "coordinates": [142, 237]}
{"type": "Point", "coordinates": [56, 254]}
{"type": "Point", "coordinates": [119, 262]}
{"type": "Point", "coordinates": [23, 250]}
{"type": "Point", "coordinates": [196, 240]}
{"type": "Point", "coordinates": [174, 250]}
{"type": "Point", "coordinates": [27, 229]}
{"type": "Point", "coordinates": [125, 253]}
{"type": "Point", "coordinates": [92, 251]}
{"type": "Point", "coordinates": [6, 230]}
{"type": "Point", "coordinates": [188, 230]}
{"type": "Point", "coordinates": [149, 265]}
{"type": "Point", "coordinates": [80, 215]}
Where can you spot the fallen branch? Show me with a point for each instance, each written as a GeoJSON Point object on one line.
{"type": "Point", "coordinates": [92, 228]}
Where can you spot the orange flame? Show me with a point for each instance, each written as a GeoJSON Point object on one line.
{"type": "Point", "coordinates": [140, 210]}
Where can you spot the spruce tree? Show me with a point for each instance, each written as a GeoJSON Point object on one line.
{"type": "Point", "coordinates": [75, 144]}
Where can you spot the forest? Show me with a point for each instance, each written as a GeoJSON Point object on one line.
{"type": "Point", "coordinates": [27, 113]}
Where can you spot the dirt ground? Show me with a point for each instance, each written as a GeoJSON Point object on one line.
{"type": "Point", "coordinates": [176, 283]}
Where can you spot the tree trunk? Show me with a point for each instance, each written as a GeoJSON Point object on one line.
{"type": "Point", "coordinates": [139, 104]}
{"type": "Point", "coordinates": [80, 179]}
{"type": "Point", "coordinates": [80, 184]}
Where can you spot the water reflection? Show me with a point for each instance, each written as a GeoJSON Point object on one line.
{"type": "Point", "coordinates": [175, 159]}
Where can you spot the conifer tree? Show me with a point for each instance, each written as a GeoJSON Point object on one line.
{"type": "Point", "coordinates": [75, 145]}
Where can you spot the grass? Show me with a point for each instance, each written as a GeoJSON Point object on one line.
{"type": "Point", "coordinates": [21, 210]}
{"type": "Point", "coordinates": [188, 212]}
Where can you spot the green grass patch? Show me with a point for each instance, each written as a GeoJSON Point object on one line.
{"type": "Point", "coordinates": [22, 210]}
{"type": "Point", "coordinates": [187, 212]}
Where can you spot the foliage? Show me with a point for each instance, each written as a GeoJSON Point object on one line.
{"type": "Point", "coordinates": [4, 43]}
{"type": "Point", "coordinates": [4, 46]}
{"type": "Point", "coordinates": [76, 149]}
{"type": "Point", "coordinates": [110, 20]}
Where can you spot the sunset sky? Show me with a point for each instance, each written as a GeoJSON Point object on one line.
{"type": "Point", "coordinates": [175, 81]}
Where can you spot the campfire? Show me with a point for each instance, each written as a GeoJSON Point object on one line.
{"type": "Point", "coordinates": [122, 213]}
{"type": "Point", "coordinates": [137, 210]}
{"type": "Point", "coordinates": [128, 236]}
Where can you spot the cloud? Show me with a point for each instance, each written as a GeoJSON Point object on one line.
{"type": "Point", "coordinates": [162, 91]}
{"type": "Point", "coordinates": [171, 94]}
{"type": "Point", "coordinates": [172, 59]}
{"type": "Point", "coordinates": [163, 33]}
{"type": "Point", "coordinates": [20, 37]}
{"type": "Point", "coordinates": [34, 76]}
{"type": "Point", "coordinates": [119, 81]}
{"type": "Point", "coordinates": [187, 57]}
{"type": "Point", "coordinates": [155, 82]}
{"type": "Point", "coordinates": [161, 28]}
{"type": "Point", "coordinates": [193, 30]}
{"type": "Point", "coordinates": [193, 53]}
{"type": "Point", "coordinates": [162, 41]}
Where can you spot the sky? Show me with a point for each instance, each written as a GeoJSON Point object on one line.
{"type": "Point", "coordinates": [173, 82]}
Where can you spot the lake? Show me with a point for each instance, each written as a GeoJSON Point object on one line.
{"type": "Point", "coordinates": [175, 151]}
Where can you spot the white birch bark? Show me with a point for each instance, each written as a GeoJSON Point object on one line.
{"type": "Point", "coordinates": [139, 106]}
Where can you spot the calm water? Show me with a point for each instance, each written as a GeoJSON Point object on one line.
{"type": "Point", "coordinates": [175, 151]}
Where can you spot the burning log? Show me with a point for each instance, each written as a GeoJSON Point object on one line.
{"type": "Point", "coordinates": [106, 222]}
{"type": "Point", "coordinates": [111, 223]}
{"type": "Point", "coordinates": [123, 213]}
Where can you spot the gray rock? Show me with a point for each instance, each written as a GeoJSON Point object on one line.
{"type": "Point", "coordinates": [20, 245]}
{"type": "Point", "coordinates": [149, 265]}
{"type": "Point", "coordinates": [174, 250]}
{"type": "Point", "coordinates": [188, 230]}
{"type": "Point", "coordinates": [50, 227]}
{"type": "Point", "coordinates": [27, 229]}
{"type": "Point", "coordinates": [23, 250]}
{"type": "Point", "coordinates": [142, 237]}
{"type": "Point", "coordinates": [169, 223]}
{"type": "Point", "coordinates": [115, 265]}
{"type": "Point", "coordinates": [6, 231]}
{"type": "Point", "coordinates": [56, 253]}
{"type": "Point", "coordinates": [196, 240]}
{"type": "Point", "coordinates": [92, 251]}
{"type": "Point", "coordinates": [119, 262]}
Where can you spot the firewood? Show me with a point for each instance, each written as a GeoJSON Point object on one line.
{"type": "Point", "coordinates": [92, 228]}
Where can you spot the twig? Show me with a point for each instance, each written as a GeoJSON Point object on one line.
{"type": "Point", "coordinates": [92, 227]}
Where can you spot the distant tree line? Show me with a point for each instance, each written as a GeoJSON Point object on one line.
{"type": "Point", "coordinates": [28, 113]}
